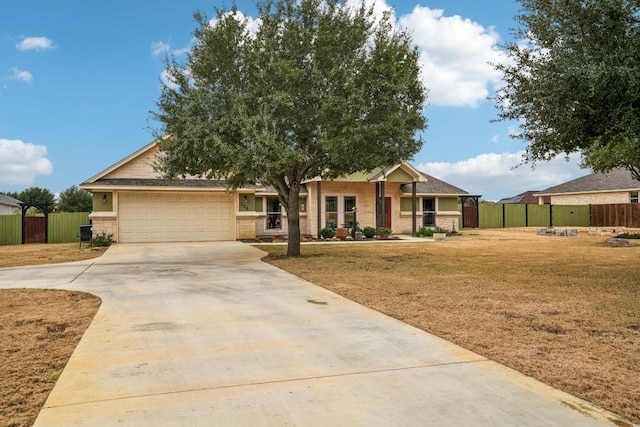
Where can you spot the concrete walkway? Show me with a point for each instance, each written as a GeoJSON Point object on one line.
{"type": "Point", "coordinates": [204, 334]}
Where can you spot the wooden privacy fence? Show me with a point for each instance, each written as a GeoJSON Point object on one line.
{"type": "Point", "coordinates": [521, 215]}
{"type": "Point", "coordinates": [63, 227]}
{"type": "Point", "coordinates": [616, 215]}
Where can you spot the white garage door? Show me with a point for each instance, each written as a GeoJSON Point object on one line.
{"type": "Point", "coordinates": [175, 217]}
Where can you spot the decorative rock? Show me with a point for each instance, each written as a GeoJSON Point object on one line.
{"type": "Point", "coordinates": [614, 241]}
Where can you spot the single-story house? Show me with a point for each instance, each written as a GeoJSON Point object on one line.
{"type": "Point", "coordinates": [9, 205]}
{"type": "Point", "coordinates": [133, 203]}
{"type": "Point", "coordinates": [616, 186]}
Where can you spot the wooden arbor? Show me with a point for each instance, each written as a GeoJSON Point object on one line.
{"type": "Point", "coordinates": [35, 229]}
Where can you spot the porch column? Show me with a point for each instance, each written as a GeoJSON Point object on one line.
{"type": "Point", "coordinates": [384, 206]}
{"type": "Point", "coordinates": [319, 208]}
{"type": "Point", "coordinates": [414, 222]}
{"type": "Point", "coordinates": [377, 205]}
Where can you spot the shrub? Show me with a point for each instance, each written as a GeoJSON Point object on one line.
{"type": "Point", "coordinates": [327, 233]}
{"type": "Point", "coordinates": [369, 232]}
{"type": "Point", "coordinates": [384, 230]}
{"type": "Point", "coordinates": [628, 236]}
{"type": "Point", "coordinates": [102, 240]}
{"type": "Point", "coordinates": [425, 232]}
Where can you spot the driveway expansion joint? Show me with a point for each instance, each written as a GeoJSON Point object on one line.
{"type": "Point", "coordinates": [264, 383]}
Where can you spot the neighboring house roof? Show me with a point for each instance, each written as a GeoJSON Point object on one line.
{"type": "Point", "coordinates": [433, 186]}
{"type": "Point", "coordinates": [9, 201]}
{"type": "Point", "coordinates": [526, 197]}
{"type": "Point", "coordinates": [616, 180]}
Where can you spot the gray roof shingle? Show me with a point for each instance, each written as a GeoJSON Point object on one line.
{"type": "Point", "coordinates": [617, 179]}
{"type": "Point", "coordinates": [8, 200]}
{"type": "Point", "coordinates": [433, 186]}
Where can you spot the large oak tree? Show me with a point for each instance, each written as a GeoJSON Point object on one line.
{"type": "Point", "coordinates": [318, 89]}
{"type": "Point", "coordinates": [573, 82]}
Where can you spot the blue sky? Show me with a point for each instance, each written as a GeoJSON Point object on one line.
{"type": "Point", "coordinates": [78, 79]}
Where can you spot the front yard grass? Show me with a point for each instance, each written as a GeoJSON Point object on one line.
{"type": "Point", "coordinates": [564, 310]}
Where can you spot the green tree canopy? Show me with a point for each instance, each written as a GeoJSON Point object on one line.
{"type": "Point", "coordinates": [74, 199]}
{"type": "Point", "coordinates": [320, 89]}
{"type": "Point", "coordinates": [37, 195]}
{"type": "Point", "coordinates": [573, 82]}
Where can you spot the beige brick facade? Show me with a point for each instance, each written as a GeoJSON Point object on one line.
{"type": "Point", "coordinates": [602, 198]}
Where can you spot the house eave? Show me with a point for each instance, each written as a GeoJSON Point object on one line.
{"type": "Point", "coordinates": [575, 193]}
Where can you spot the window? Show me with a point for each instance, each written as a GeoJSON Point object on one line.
{"type": "Point", "coordinates": [349, 204]}
{"type": "Point", "coordinates": [633, 197]}
{"type": "Point", "coordinates": [428, 211]}
{"type": "Point", "coordinates": [331, 211]}
{"type": "Point", "coordinates": [274, 214]}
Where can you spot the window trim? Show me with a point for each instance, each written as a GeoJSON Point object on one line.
{"type": "Point", "coordinates": [340, 205]}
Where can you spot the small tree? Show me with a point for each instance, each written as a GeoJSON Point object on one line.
{"type": "Point", "coordinates": [576, 85]}
{"type": "Point", "coordinates": [37, 195]}
{"type": "Point", "coordinates": [320, 89]}
{"type": "Point", "coordinates": [75, 199]}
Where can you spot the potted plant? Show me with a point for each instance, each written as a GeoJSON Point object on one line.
{"type": "Point", "coordinates": [383, 232]}
{"type": "Point", "coordinates": [439, 233]}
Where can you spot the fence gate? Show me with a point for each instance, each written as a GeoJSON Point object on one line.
{"type": "Point", "coordinates": [470, 213]}
{"type": "Point", "coordinates": [35, 230]}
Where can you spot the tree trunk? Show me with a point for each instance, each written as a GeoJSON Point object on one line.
{"type": "Point", "coordinates": [293, 220]}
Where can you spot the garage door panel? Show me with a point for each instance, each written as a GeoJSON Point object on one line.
{"type": "Point", "coordinates": [166, 217]}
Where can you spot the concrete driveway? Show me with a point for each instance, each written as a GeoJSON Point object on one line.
{"type": "Point", "coordinates": [205, 334]}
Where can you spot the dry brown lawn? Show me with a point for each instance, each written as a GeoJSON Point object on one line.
{"type": "Point", "coordinates": [39, 329]}
{"type": "Point", "coordinates": [34, 254]}
{"type": "Point", "coordinates": [564, 310]}
{"type": "Point", "coordinates": [561, 309]}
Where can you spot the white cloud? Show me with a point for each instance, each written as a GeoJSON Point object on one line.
{"type": "Point", "coordinates": [455, 53]}
{"type": "Point", "coordinates": [21, 162]}
{"type": "Point", "coordinates": [35, 43]}
{"type": "Point", "coordinates": [252, 24]}
{"type": "Point", "coordinates": [20, 75]}
{"type": "Point", "coordinates": [159, 48]}
{"type": "Point", "coordinates": [497, 175]}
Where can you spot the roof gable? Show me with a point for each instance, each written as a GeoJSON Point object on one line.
{"type": "Point", "coordinates": [137, 165]}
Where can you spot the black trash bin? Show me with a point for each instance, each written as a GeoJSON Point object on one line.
{"type": "Point", "coordinates": [86, 234]}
